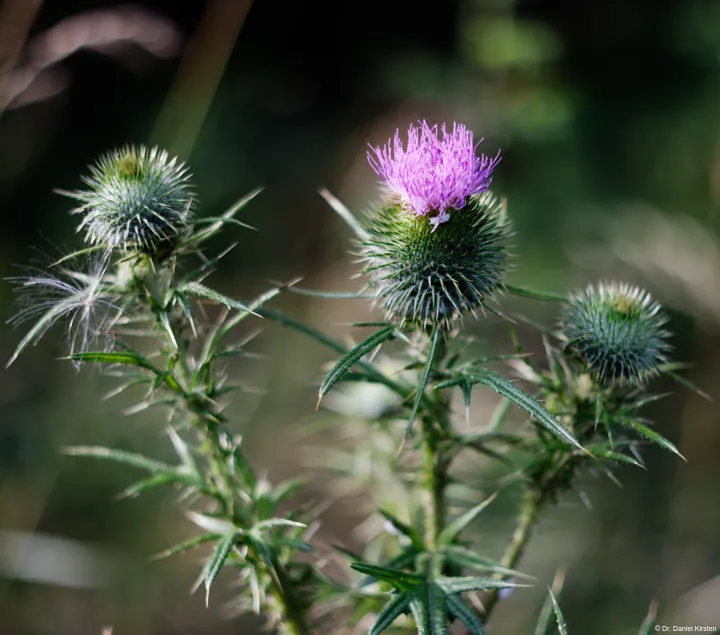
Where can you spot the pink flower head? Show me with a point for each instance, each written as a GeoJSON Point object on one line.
{"type": "Point", "coordinates": [433, 174]}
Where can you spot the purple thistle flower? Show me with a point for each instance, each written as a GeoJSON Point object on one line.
{"type": "Point", "coordinates": [433, 174]}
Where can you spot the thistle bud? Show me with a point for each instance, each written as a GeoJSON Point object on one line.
{"type": "Point", "coordinates": [136, 200]}
{"type": "Point", "coordinates": [435, 246]}
{"type": "Point", "coordinates": [617, 330]}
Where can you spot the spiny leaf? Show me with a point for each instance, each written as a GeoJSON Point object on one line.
{"type": "Point", "coordinates": [126, 358]}
{"type": "Point", "coordinates": [546, 612]}
{"type": "Point", "coordinates": [519, 397]}
{"type": "Point", "coordinates": [615, 456]}
{"type": "Point", "coordinates": [169, 477]}
{"type": "Point", "coordinates": [448, 534]}
{"type": "Point", "coordinates": [398, 604]}
{"type": "Point", "coordinates": [201, 291]}
{"type": "Point", "coordinates": [219, 555]}
{"type": "Point", "coordinates": [347, 361]}
{"type": "Point", "coordinates": [687, 383]}
{"type": "Point", "coordinates": [344, 213]}
{"type": "Point", "coordinates": [460, 584]}
{"type": "Point", "coordinates": [428, 609]}
{"type": "Point", "coordinates": [562, 626]}
{"type": "Point", "coordinates": [404, 529]}
{"type": "Point", "coordinates": [652, 435]}
{"type": "Point", "coordinates": [191, 543]}
{"type": "Point", "coordinates": [120, 456]}
{"type": "Point", "coordinates": [277, 522]}
{"type": "Point", "coordinates": [437, 334]}
{"type": "Point", "coordinates": [216, 226]}
{"type": "Point", "coordinates": [401, 580]}
{"type": "Point", "coordinates": [457, 608]}
{"type": "Point", "coordinates": [463, 557]}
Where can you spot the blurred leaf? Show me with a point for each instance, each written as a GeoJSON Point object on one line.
{"type": "Point", "coordinates": [200, 290]}
{"type": "Point", "coordinates": [457, 608]}
{"type": "Point", "coordinates": [649, 625]}
{"type": "Point", "coordinates": [398, 604]}
{"type": "Point", "coordinates": [201, 236]}
{"type": "Point", "coordinates": [344, 213]}
{"type": "Point", "coordinates": [687, 383]}
{"type": "Point", "coordinates": [120, 456]}
{"type": "Point", "coordinates": [169, 477]}
{"type": "Point", "coordinates": [651, 434]}
{"type": "Point", "coordinates": [348, 295]}
{"type": "Point", "coordinates": [404, 529]}
{"type": "Point", "coordinates": [450, 532]}
{"type": "Point", "coordinates": [535, 295]}
{"type": "Point", "coordinates": [466, 558]}
{"type": "Point", "coordinates": [347, 361]}
{"type": "Point", "coordinates": [217, 560]}
{"type": "Point", "coordinates": [437, 334]}
{"type": "Point", "coordinates": [399, 579]}
{"type": "Point", "coordinates": [562, 627]}
{"type": "Point", "coordinates": [191, 543]}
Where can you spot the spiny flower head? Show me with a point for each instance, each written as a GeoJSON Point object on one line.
{"type": "Point", "coordinates": [433, 174]}
{"type": "Point", "coordinates": [617, 330]}
{"type": "Point", "coordinates": [427, 277]}
{"type": "Point", "coordinates": [137, 199]}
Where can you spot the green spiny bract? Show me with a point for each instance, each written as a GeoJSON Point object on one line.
{"type": "Point", "coordinates": [617, 330]}
{"type": "Point", "coordinates": [137, 200]}
{"type": "Point", "coordinates": [428, 275]}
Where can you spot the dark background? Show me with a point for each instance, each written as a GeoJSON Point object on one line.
{"type": "Point", "coordinates": [608, 116]}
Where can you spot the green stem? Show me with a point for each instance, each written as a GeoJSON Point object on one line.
{"type": "Point", "coordinates": [207, 422]}
{"type": "Point", "coordinates": [529, 513]}
{"type": "Point", "coordinates": [435, 464]}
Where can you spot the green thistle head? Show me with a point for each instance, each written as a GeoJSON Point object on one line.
{"type": "Point", "coordinates": [427, 274]}
{"type": "Point", "coordinates": [137, 199]}
{"type": "Point", "coordinates": [617, 330]}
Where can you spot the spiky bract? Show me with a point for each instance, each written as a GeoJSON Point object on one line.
{"type": "Point", "coordinates": [617, 330]}
{"type": "Point", "coordinates": [138, 199]}
{"type": "Point", "coordinates": [427, 276]}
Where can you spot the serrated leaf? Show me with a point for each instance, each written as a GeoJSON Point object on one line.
{"type": "Point", "coordinates": [399, 579]}
{"type": "Point", "coordinates": [614, 456]}
{"type": "Point", "coordinates": [126, 359]}
{"type": "Point", "coordinates": [347, 361]}
{"type": "Point", "coordinates": [458, 609]}
{"type": "Point", "coordinates": [216, 561]}
{"type": "Point", "coordinates": [652, 435]}
{"type": "Point", "coordinates": [398, 604]}
{"type": "Point", "coordinates": [191, 543]}
{"type": "Point", "coordinates": [120, 456]}
{"type": "Point", "coordinates": [201, 291]}
{"type": "Point", "coordinates": [463, 557]}
{"type": "Point", "coordinates": [460, 584]}
{"type": "Point", "coordinates": [161, 479]}
{"type": "Point", "coordinates": [437, 334]}
{"type": "Point", "coordinates": [560, 620]}
{"type": "Point", "coordinates": [403, 528]}
{"type": "Point", "coordinates": [451, 531]}
{"type": "Point", "coordinates": [277, 522]}
{"type": "Point", "coordinates": [428, 609]}
{"type": "Point", "coordinates": [519, 397]}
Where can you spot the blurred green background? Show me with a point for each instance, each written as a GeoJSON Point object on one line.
{"type": "Point", "coordinates": [608, 116]}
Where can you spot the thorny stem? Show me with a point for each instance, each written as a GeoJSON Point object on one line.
{"type": "Point", "coordinates": [535, 495]}
{"type": "Point", "coordinates": [435, 463]}
{"type": "Point", "coordinates": [207, 423]}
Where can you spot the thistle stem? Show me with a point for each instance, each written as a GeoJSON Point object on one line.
{"type": "Point", "coordinates": [527, 518]}
{"type": "Point", "coordinates": [435, 462]}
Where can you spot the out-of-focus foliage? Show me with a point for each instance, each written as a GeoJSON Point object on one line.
{"type": "Point", "coordinates": [607, 114]}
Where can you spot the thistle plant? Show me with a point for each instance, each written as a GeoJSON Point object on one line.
{"type": "Point", "coordinates": [434, 252]}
